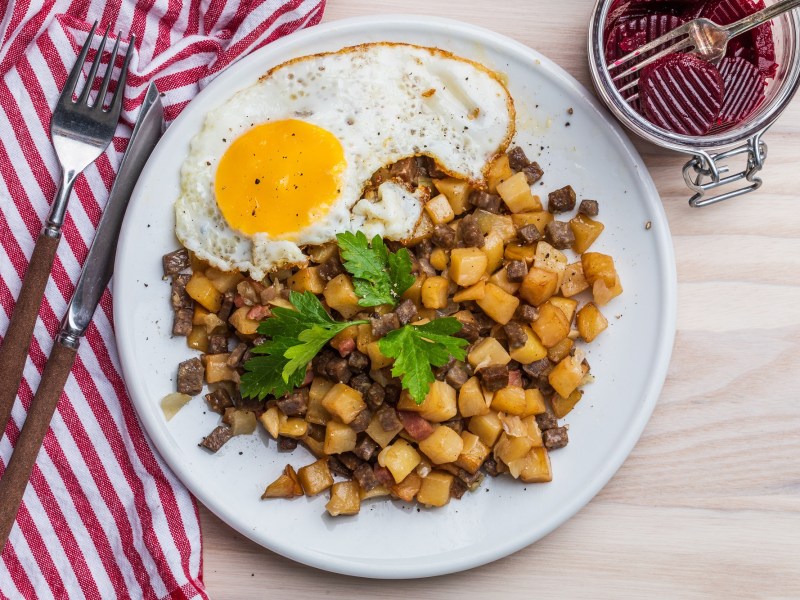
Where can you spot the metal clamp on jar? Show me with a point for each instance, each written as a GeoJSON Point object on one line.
{"type": "Point", "coordinates": [710, 166]}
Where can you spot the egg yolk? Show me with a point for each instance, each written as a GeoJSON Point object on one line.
{"type": "Point", "coordinates": [279, 177]}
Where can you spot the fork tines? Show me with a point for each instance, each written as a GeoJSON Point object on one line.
{"type": "Point", "coordinates": [72, 81]}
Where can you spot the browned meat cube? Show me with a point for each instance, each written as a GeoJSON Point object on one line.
{"type": "Point", "coordinates": [433, 169]}
{"type": "Point", "coordinates": [470, 331]}
{"type": "Point", "coordinates": [484, 322]}
{"type": "Point", "coordinates": [337, 468]}
{"type": "Point", "coordinates": [527, 313]}
{"type": "Point", "coordinates": [217, 343]}
{"type": "Point", "coordinates": [444, 237]}
{"type": "Point", "coordinates": [361, 422]}
{"type": "Point", "coordinates": [530, 234]}
{"type": "Point", "coordinates": [227, 305]}
{"type": "Point", "coordinates": [470, 232]}
{"type": "Point", "coordinates": [384, 324]}
{"type": "Point", "coordinates": [331, 268]}
{"type": "Point", "coordinates": [219, 400]}
{"type": "Point", "coordinates": [387, 417]}
{"type": "Point", "coordinates": [517, 159]}
{"type": "Point", "coordinates": [485, 200]}
{"type": "Point", "coordinates": [406, 312]}
{"type": "Point", "coordinates": [338, 370]}
{"type": "Point", "coordinates": [590, 208]}
{"type": "Point", "coordinates": [180, 299]}
{"type": "Point", "coordinates": [533, 172]}
{"type": "Point", "coordinates": [316, 432]}
{"type": "Point", "coordinates": [490, 466]}
{"type": "Point", "coordinates": [562, 200]}
{"type": "Point", "coordinates": [294, 404]}
{"type": "Point", "coordinates": [391, 394]}
{"type": "Point", "coordinates": [517, 337]}
{"type": "Point", "coordinates": [547, 421]}
{"type": "Point", "coordinates": [182, 321]}
{"type": "Point", "coordinates": [350, 460]}
{"type": "Point", "coordinates": [457, 376]}
{"type": "Point", "coordinates": [358, 361]}
{"type": "Point", "coordinates": [539, 369]}
{"type": "Point", "coordinates": [406, 170]}
{"type": "Point", "coordinates": [236, 355]}
{"type": "Point", "coordinates": [361, 382]}
{"type": "Point", "coordinates": [555, 437]}
{"type": "Point", "coordinates": [365, 477]}
{"type": "Point", "coordinates": [494, 377]}
{"type": "Point", "coordinates": [516, 270]}
{"type": "Point", "coordinates": [458, 488]}
{"type": "Point", "coordinates": [175, 262]}
{"type": "Point", "coordinates": [375, 395]}
{"type": "Point", "coordinates": [286, 444]}
{"type": "Point", "coordinates": [365, 448]}
{"type": "Point", "coordinates": [190, 376]}
{"type": "Point", "coordinates": [456, 424]}
{"type": "Point", "coordinates": [320, 362]}
{"type": "Point", "coordinates": [217, 438]}
{"type": "Point", "coordinates": [559, 234]}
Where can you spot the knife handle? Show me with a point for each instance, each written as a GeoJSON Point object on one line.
{"type": "Point", "coordinates": [17, 341]}
{"type": "Point", "coordinates": [18, 472]}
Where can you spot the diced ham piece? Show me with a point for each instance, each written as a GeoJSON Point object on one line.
{"type": "Point", "coordinates": [346, 347]}
{"type": "Point", "coordinates": [259, 312]}
{"type": "Point", "coordinates": [515, 377]}
{"type": "Point", "coordinates": [383, 475]}
{"type": "Point", "coordinates": [417, 427]}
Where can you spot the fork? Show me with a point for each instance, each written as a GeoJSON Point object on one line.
{"type": "Point", "coordinates": [704, 38]}
{"type": "Point", "coordinates": [81, 131]}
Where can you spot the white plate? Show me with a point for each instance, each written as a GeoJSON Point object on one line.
{"type": "Point", "coordinates": [390, 540]}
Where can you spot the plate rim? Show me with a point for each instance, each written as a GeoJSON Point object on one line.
{"type": "Point", "coordinates": [661, 359]}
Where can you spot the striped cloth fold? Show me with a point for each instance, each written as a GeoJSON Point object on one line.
{"type": "Point", "coordinates": [103, 517]}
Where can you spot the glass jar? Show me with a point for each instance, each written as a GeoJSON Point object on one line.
{"type": "Point", "coordinates": [708, 168]}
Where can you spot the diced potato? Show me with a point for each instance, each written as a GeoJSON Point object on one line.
{"type": "Point", "coordinates": [500, 225]}
{"type": "Point", "coordinates": [533, 431]}
{"type": "Point", "coordinates": [456, 191]}
{"type": "Point", "coordinates": [343, 402]}
{"type": "Point", "coordinates": [345, 499]}
{"type": "Point", "coordinates": [376, 432]}
{"type": "Point", "coordinates": [408, 488]}
{"type": "Point", "coordinates": [439, 210]}
{"type": "Point", "coordinates": [339, 438]}
{"type": "Point", "coordinates": [538, 286]}
{"type": "Point", "coordinates": [316, 477]}
{"type": "Point", "coordinates": [537, 469]}
{"type": "Point", "coordinates": [467, 265]}
{"type": "Point", "coordinates": [414, 293]}
{"type": "Point", "coordinates": [473, 292]}
{"type": "Point", "coordinates": [534, 402]}
{"type": "Point", "coordinates": [364, 337]}
{"type": "Point", "coordinates": [217, 369]}
{"type": "Point", "coordinates": [293, 427]}
{"type": "Point", "coordinates": [200, 289]}
{"type": "Point", "coordinates": [550, 259]}
{"type": "Point", "coordinates": [400, 458]}
{"type": "Point", "coordinates": [199, 315]}
{"type": "Point", "coordinates": [444, 445]}
{"type": "Point", "coordinates": [567, 306]}
{"type": "Point", "coordinates": [316, 413]}
{"type": "Point", "coordinates": [307, 280]}
{"type": "Point", "coordinates": [551, 326]}
{"type": "Point", "coordinates": [434, 292]}
{"type": "Point", "coordinates": [538, 219]}
{"type": "Point", "coordinates": [340, 295]}
{"type": "Point", "coordinates": [516, 193]}
{"type": "Point", "coordinates": [597, 266]}
{"type": "Point", "coordinates": [439, 405]}
{"type": "Point", "coordinates": [271, 420]}
{"type": "Point", "coordinates": [378, 359]}
{"type": "Point", "coordinates": [525, 252]}
{"type": "Point", "coordinates": [574, 281]}
{"type": "Point", "coordinates": [423, 230]}
{"type": "Point", "coordinates": [586, 231]}
{"type": "Point", "coordinates": [498, 171]}
{"type": "Point", "coordinates": [591, 322]}
{"type": "Point", "coordinates": [498, 304]}
{"type": "Point", "coordinates": [566, 375]}
{"type": "Point", "coordinates": [172, 403]}
{"type": "Point", "coordinates": [471, 400]}
{"type": "Point", "coordinates": [473, 453]}
{"type": "Point", "coordinates": [197, 264]}
{"type": "Point", "coordinates": [241, 323]}
{"type": "Point", "coordinates": [319, 254]}
{"type": "Point", "coordinates": [500, 279]}
{"type": "Point", "coordinates": [563, 406]}
{"type": "Point", "coordinates": [493, 248]}
{"type": "Point", "coordinates": [602, 294]}
{"type": "Point", "coordinates": [435, 490]}
{"type": "Point", "coordinates": [510, 448]}
{"type": "Point", "coordinates": [487, 427]}
{"type": "Point", "coordinates": [198, 338]}
{"type": "Point", "coordinates": [242, 422]}
{"type": "Point", "coordinates": [285, 486]}
{"type": "Point", "coordinates": [560, 350]}
{"type": "Point", "coordinates": [314, 446]}
{"type": "Point", "coordinates": [510, 400]}
{"type": "Point", "coordinates": [224, 281]}
{"type": "Point", "coordinates": [440, 258]}
{"type": "Point", "coordinates": [376, 492]}
{"type": "Point", "coordinates": [488, 352]}
{"type": "Point", "coordinates": [532, 351]}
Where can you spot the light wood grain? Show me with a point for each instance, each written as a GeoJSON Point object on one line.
{"type": "Point", "coordinates": [708, 503]}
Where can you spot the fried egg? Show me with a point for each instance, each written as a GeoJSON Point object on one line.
{"type": "Point", "coordinates": [283, 164]}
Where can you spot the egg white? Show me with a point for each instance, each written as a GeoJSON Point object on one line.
{"type": "Point", "coordinates": [383, 102]}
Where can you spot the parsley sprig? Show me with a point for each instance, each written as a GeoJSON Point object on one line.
{"type": "Point", "coordinates": [379, 276]}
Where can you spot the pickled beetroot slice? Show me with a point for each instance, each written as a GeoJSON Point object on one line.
{"type": "Point", "coordinates": [744, 89]}
{"type": "Point", "coordinates": [629, 34]}
{"type": "Point", "coordinates": [681, 93]}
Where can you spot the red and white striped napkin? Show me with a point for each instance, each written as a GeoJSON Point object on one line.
{"type": "Point", "coordinates": [103, 516]}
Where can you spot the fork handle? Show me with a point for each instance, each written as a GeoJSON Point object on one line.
{"type": "Point", "coordinates": [762, 16]}
{"type": "Point", "coordinates": [17, 341]}
{"type": "Point", "coordinates": [18, 472]}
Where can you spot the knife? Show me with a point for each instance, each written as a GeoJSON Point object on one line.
{"type": "Point", "coordinates": [93, 279]}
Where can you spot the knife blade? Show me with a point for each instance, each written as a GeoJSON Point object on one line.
{"type": "Point", "coordinates": [99, 264]}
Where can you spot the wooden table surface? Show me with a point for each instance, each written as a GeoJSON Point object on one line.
{"type": "Point", "coordinates": [708, 503]}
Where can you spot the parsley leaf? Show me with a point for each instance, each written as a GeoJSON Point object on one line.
{"type": "Point", "coordinates": [296, 337]}
{"type": "Point", "coordinates": [379, 276]}
{"type": "Point", "coordinates": [416, 348]}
